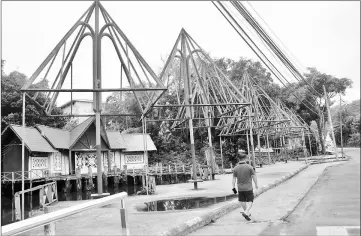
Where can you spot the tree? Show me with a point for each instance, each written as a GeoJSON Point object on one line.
{"type": "Point", "coordinates": [11, 103]}
{"type": "Point", "coordinates": [235, 70]}
{"type": "Point", "coordinates": [311, 104]}
{"type": "Point", "coordinates": [350, 120]}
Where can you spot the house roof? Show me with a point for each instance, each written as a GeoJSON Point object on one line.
{"type": "Point", "coordinates": [116, 140]}
{"type": "Point", "coordinates": [57, 137]}
{"type": "Point", "coordinates": [79, 130]}
{"type": "Point", "coordinates": [64, 139]}
{"type": "Point", "coordinates": [135, 142]}
{"type": "Point", "coordinates": [48, 139]}
{"type": "Point", "coordinates": [32, 139]}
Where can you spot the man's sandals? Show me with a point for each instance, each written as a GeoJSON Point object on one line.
{"type": "Point", "coordinates": [247, 217]}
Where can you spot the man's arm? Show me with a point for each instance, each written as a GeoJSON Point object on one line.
{"type": "Point", "coordinates": [254, 177]}
{"type": "Point", "coordinates": [234, 182]}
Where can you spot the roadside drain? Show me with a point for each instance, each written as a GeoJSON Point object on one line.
{"type": "Point", "coordinates": [184, 203]}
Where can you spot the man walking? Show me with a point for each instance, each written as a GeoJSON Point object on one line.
{"type": "Point", "coordinates": [243, 173]}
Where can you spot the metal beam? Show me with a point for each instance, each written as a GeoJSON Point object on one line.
{"type": "Point", "coordinates": [92, 90]}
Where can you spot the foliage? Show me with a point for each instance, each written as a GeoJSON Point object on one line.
{"type": "Point", "coordinates": [71, 124]}
{"type": "Point", "coordinates": [354, 140]}
{"type": "Point", "coordinates": [11, 103]}
{"type": "Point", "coordinates": [349, 115]}
{"type": "Point", "coordinates": [310, 105]}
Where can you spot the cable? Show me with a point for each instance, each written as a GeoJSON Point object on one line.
{"type": "Point", "coordinates": [254, 50]}
{"type": "Point", "coordinates": [244, 12]}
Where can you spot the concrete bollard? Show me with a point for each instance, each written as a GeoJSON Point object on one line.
{"type": "Point", "coordinates": [49, 229]}
{"type": "Point", "coordinates": [123, 218]}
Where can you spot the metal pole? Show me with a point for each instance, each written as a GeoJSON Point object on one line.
{"type": "Point", "coordinates": [71, 87]}
{"type": "Point", "coordinates": [210, 146]}
{"type": "Point", "coordinates": [188, 109]}
{"type": "Point", "coordinates": [248, 151]}
{"type": "Point", "coordinates": [330, 120]}
{"type": "Point", "coordinates": [341, 128]}
{"type": "Point", "coordinates": [220, 144]}
{"type": "Point", "coordinates": [23, 162]}
{"type": "Point", "coordinates": [304, 145]}
{"type": "Point", "coordinates": [269, 155]}
{"type": "Point", "coordinates": [251, 137]}
{"type": "Point", "coordinates": [97, 83]}
{"type": "Point", "coordinates": [259, 146]}
{"type": "Point", "coordinates": [145, 152]}
{"type": "Point", "coordinates": [309, 141]}
{"type": "Point", "coordinates": [284, 147]}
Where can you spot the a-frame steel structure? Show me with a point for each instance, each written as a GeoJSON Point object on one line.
{"type": "Point", "coordinates": [136, 75]}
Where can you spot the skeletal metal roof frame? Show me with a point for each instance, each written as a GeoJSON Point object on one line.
{"type": "Point", "coordinates": [202, 91]}
{"type": "Point", "coordinates": [270, 118]}
{"type": "Point", "coordinates": [142, 81]}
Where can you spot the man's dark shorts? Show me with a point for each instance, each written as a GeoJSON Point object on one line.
{"type": "Point", "coordinates": [245, 196]}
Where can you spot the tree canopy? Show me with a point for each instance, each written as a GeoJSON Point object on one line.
{"type": "Point", "coordinates": [11, 103]}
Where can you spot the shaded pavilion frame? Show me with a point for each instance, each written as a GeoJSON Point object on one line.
{"type": "Point", "coordinates": [141, 78]}
{"type": "Point", "coordinates": [272, 120]}
{"type": "Point", "coordinates": [194, 77]}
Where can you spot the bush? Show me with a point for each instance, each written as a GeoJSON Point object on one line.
{"type": "Point", "coordinates": [354, 140]}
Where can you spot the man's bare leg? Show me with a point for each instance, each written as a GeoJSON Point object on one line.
{"type": "Point", "coordinates": [249, 207]}
{"type": "Point", "coordinates": [244, 206]}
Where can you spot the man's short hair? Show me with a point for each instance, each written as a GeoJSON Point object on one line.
{"type": "Point", "coordinates": [242, 156]}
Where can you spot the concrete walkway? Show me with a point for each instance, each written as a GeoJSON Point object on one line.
{"type": "Point", "coordinates": [270, 207]}
{"type": "Point", "coordinates": [106, 220]}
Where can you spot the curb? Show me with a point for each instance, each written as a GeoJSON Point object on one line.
{"type": "Point", "coordinates": [200, 221]}
{"type": "Point", "coordinates": [314, 162]}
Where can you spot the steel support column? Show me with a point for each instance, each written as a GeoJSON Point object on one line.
{"type": "Point", "coordinates": [23, 161]}
{"type": "Point", "coordinates": [97, 100]}
{"type": "Point", "coordinates": [189, 112]}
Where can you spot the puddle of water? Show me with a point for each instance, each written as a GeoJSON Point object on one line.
{"type": "Point", "coordinates": [184, 204]}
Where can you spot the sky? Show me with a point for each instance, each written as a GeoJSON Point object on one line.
{"type": "Point", "coordinates": [324, 34]}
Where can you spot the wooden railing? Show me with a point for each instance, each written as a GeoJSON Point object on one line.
{"type": "Point", "coordinates": [17, 175]}
{"type": "Point", "coordinates": [155, 169]}
{"type": "Point", "coordinates": [48, 194]}
{"type": "Point", "coordinates": [48, 220]}
{"type": "Point", "coordinates": [165, 169]}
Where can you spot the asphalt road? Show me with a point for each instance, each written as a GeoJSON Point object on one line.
{"type": "Point", "coordinates": [332, 206]}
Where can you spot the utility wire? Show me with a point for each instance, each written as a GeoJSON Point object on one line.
{"type": "Point", "coordinates": [245, 13]}
{"type": "Point", "coordinates": [291, 55]}
{"type": "Point", "coordinates": [262, 56]}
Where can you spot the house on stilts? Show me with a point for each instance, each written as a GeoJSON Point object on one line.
{"type": "Point", "coordinates": [51, 152]}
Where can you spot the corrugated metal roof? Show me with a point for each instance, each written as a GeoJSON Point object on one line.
{"type": "Point", "coordinates": [33, 139]}
{"type": "Point", "coordinates": [135, 142]}
{"type": "Point", "coordinates": [116, 140]}
{"type": "Point", "coordinates": [57, 137]}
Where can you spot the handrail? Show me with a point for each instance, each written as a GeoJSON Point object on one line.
{"type": "Point", "coordinates": [35, 188]}
{"type": "Point", "coordinates": [31, 223]}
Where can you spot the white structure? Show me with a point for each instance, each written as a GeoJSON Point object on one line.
{"type": "Point", "coordinates": [78, 106]}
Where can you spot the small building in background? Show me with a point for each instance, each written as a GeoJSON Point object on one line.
{"type": "Point", "coordinates": [78, 106]}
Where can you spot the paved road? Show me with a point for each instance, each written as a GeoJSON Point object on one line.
{"type": "Point", "coordinates": [332, 207]}
{"type": "Point", "coordinates": [271, 206]}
